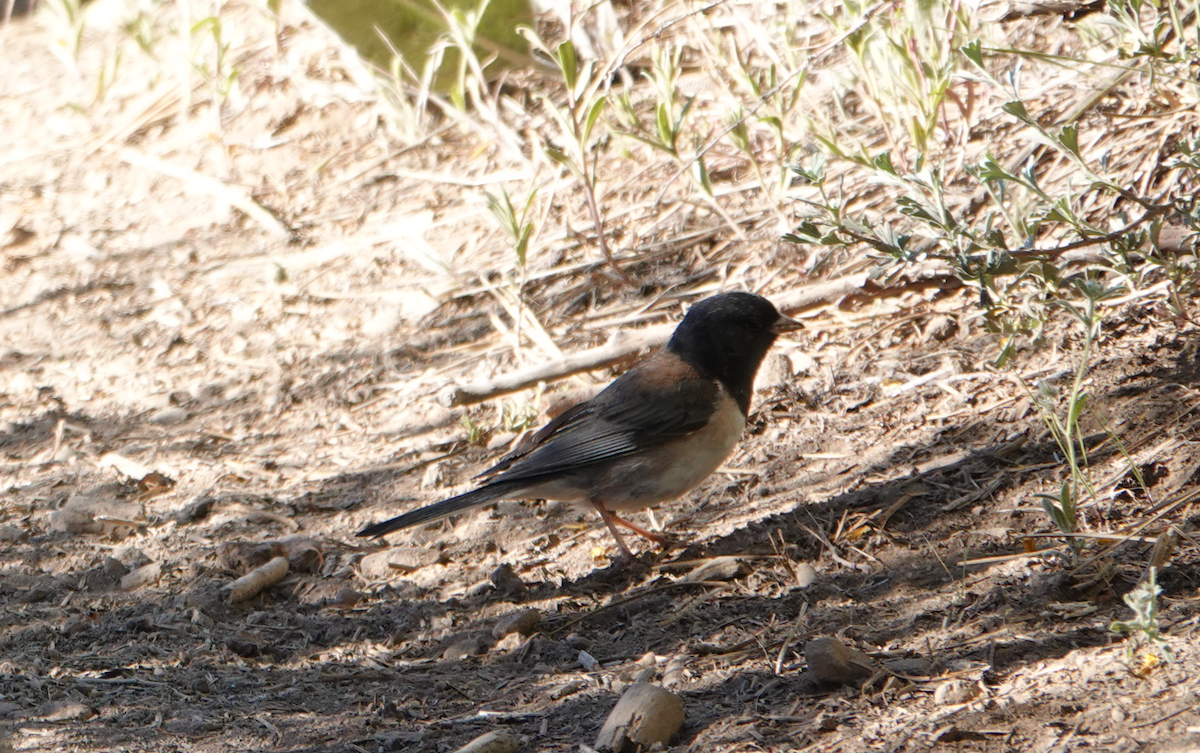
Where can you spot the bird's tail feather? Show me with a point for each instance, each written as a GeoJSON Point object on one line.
{"type": "Point", "coordinates": [438, 510]}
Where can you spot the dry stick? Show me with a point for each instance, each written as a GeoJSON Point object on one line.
{"type": "Point", "coordinates": [625, 343]}
{"type": "Point", "coordinates": [651, 590]}
{"type": "Point", "coordinates": [235, 197]}
{"type": "Point", "coordinates": [1167, 509]}
{"type": "Point", "coordinates": [249, 585]}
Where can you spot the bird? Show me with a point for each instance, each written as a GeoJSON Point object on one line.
{"type": "Point", "coordinates": [650, 436]}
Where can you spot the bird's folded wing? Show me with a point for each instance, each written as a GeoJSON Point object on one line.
{"type": "Point", "coordinates": [640, 410]}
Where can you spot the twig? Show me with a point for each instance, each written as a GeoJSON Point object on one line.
{"type": "Point", "coordinates": [237, 198]}
{"type": "Point", "coordinates": [652, 590]}
{"type": "Point", "coordinates": [787, 639]}
{"type": "Point", "coordinates": [623, 344]}
{"type": "Point", "coordinates": [626, 343]}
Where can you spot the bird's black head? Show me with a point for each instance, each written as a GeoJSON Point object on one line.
{"type": "Point", "coordinates": [727, 336]}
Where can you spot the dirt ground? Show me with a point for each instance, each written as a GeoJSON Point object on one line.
{"type": "Point", "coordinates": [284, 375]}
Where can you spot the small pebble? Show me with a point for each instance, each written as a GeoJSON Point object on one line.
{"type": "Point", "coordinates": [492, 742]}
{"type": "Point", "coordinates": [510, 642]}
{"type": "Point", "coordinates": [524, 622]}
{"type": "Point", "coordinates": [587, 661]}
{"type": "Point", "coordinates": [718, 568]}
{"type": "Point", "coordinates": [806, 575]}
{"type": "Point", "coordinates": [73, 520]}
{"type": "Point", "coordinates": [577, 642]}
{"type": "Point", "coordinates": [345, 598]}
{"type": "Point", "coordinates": [143, 576]}
{"type": "Point", "coordinates": [68, 711]}
{"type": "Point", "coordinates": [952, 692]}
{"type": "Point", "coordinates": [646, 716]}
{"type": "Point", "coordinates": [506, 581]}
{"type": "Point", "coordinates": [910, 667]}
{"type": "Point", "coordinates": [471, 646]}
{"type": "Point", "coordinates": [168, 416]}
{"type": "Point", "coordinates": [394, 562]}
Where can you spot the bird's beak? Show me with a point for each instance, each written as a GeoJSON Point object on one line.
{"type": "Point", "coordinates": [785, 324]}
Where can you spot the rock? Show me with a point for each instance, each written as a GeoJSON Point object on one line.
{"type": "Point", "coordinates": [67, 711]}
{"type": "Point", "coordinates": [577, 642]}
{"type": "Point", "coordinates": [832, 661]}
{"type": "Point", "coordinates": [471, 646]}
{"type": "Point", "coordinates": [952, 692]}
{"type": "Point", "coordinates": [646, 715]}
{"type": "Point", "coordinates": [510, 642]}
{"type": "Point", "coordinates": [524, 622]}
{"type": "Point", "coordinates": [11, 533]}
{"type": "Point", "coordinates": [106, 575]}
{"type": "Point", "coordinates": [806, 575]}
{"type": "Point", "coordinates": [345, 598]}
{"type": "Point", "coordinates": [71, 520]}
{"type": "Point", "coordinates": [492, 742]}
{"type": "Point", "coordinates": [718, 568]}
{"type": "Point", "coordinates": [507, 582]}
{"type": "Point", "coordinates": [143, 576]}
{"type": "Point", "coordinates": [389, 563]}
{"type": "Point", "coordinates": [80, 512]}
{"type": "Point", "coordinates": [168, 416]}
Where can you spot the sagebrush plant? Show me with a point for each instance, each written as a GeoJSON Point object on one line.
{"type": "Point", "coordinates": [1013, 243]}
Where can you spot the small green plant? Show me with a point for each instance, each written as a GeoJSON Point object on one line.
{"type": "Point", "coordinates": [220, 72]}
{"type": "Point", "coordinates": [1147, 642]}
{"type": "Point", "coordinates": [670, 126]}
{"type": "Point", "coordinates": [518, 227]}
{"type": "Point", "coordinates": [1063, 507]}
{"type": "Point", "coordinates": [66, 18]}
{"type": "Point", "coordinates": [576, 119]}
{"type": "Point", "coordinates": [475, 430]}
{"type": "Point", "coordinates": [906, 65]}
{"type": "Point", "coordinates": [518, 416]}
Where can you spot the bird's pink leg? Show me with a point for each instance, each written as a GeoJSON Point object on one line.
{"type": "Point", "coordinates": [611, 521]}
{"type": "Point", "coordinates": [657, 538]}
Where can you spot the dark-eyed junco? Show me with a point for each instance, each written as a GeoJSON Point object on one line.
{"type": "Point", "coordinates": [657, 431]}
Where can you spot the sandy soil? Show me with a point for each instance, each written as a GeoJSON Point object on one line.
{"type": "Point", "coordinates": [184, 385]}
